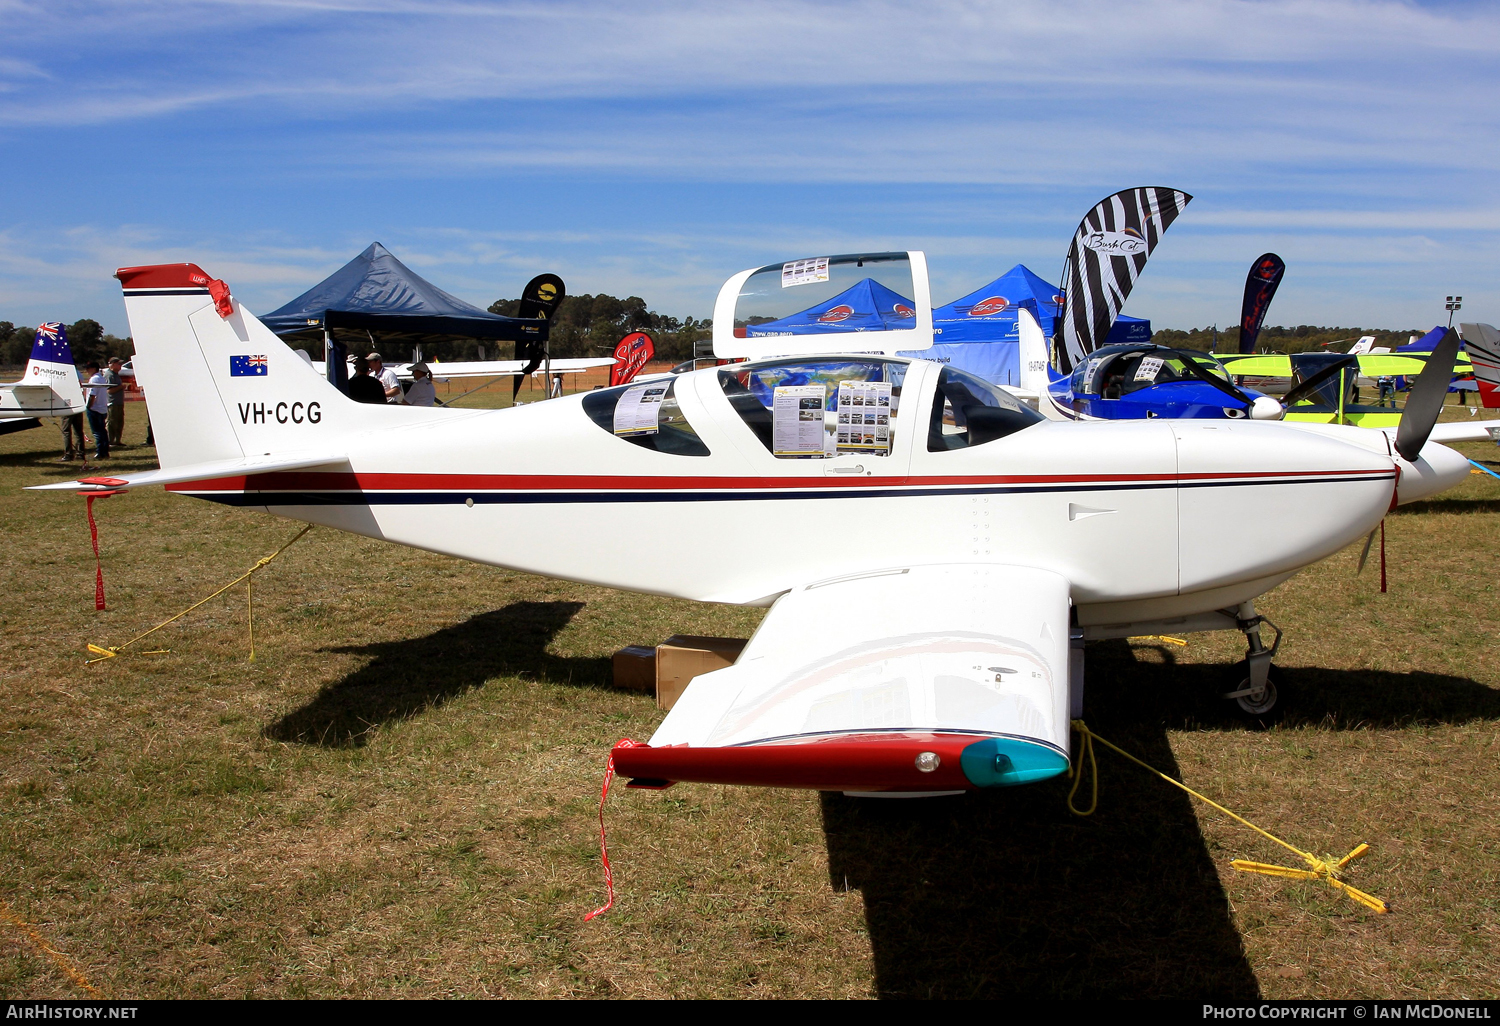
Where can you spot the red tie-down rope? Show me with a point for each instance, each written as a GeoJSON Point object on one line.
{"type": "Point", "coordinates": [609, 877]}
{"type": "Point", "coordinates": [94, 537]}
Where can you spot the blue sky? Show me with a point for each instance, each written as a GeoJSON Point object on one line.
{"type": "Point", "coordinates": [654, 149]}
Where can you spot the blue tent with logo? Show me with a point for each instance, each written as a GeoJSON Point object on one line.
{"type": "Point", "coordinates": [864, 306]}
{"type": "Point", "coordinates": [980, 332]}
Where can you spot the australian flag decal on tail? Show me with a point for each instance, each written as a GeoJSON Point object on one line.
{"type": "Point", "coordinates": [247, 366]}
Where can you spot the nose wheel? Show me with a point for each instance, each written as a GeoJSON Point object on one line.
{"type": "Point", "coordinates": [1259, 691]}
{"type": "Point", "coordinates": [1263, 703]}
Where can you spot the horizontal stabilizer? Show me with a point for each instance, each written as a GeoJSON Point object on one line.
{"type": "Point", "coordinates": [197, 472]}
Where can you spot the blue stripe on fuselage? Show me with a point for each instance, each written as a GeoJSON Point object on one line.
{"type": "Point", "coordinates": [428, 498]}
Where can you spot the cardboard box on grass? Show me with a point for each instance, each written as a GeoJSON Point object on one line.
{"type": "Point", "coordinates": [684, 656]}
{"type": "Point", "coordinates": [634, 668]}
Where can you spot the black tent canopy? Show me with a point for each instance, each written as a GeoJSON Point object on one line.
{"type": "Point", "coordinates": [377, 293]}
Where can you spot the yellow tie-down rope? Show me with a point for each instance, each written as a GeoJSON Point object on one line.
{"type": "Point", "coordinates": [62, 961]}
{"type": "Point", "coordinates": [1160, 639]}
{"type": "Point", "coordinates": [1326, 870]}
{"type": "Point", "coordinates": [102, 653]}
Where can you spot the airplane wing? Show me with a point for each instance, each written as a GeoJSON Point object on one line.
{"type": "Point", "coordinates": [1461, 431]}
{"type": "Point", "coordinates": [490, 368]}
{"type": "Point", "coordinates": [1378, 365]}
{"type": "Point", "coordinates": [1259, 365]}
{"type": "Point", "coordinates": [1374, 365]}
{"type": "Point", "coordinates": [499, 368]}
{"type": "Point", "coordinates": [916, 679]}
{"type": "Point", "coordinates": [196, 472]}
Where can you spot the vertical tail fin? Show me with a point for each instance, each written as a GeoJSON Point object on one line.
{"type": "Point", "coordinates": [51, 364]}
{"type": "Point", "coordinates": [218, 383]}
{"type": "Point", "coordinates": [1036, 366]}
{"type": "Point", "coordinates": [1482, 342]}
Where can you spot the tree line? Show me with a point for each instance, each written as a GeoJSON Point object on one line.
{"type": "Point", "coordinates": [1277, 339]}
{"type": "Point", "coordinates": [591, 325]}
{"type": "Point", "coordinates": [87, 338]}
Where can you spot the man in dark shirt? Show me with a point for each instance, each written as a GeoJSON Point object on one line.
{"type": "Point", "coordinates": [362, 387]}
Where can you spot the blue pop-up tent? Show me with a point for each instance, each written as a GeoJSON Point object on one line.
{"type": "Point", "coordinates": [377, 293]}
{"type": "Point", "coordinates": [864, 306]}
{"type": "Point", "coordinates": [980, 332]}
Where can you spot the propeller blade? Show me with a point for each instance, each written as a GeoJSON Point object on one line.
{"type": "Point", "coordinates": [1425, 400]}
{"type": "Point", "coordinates": [1312, 384]}
{"type": "Point", "coordinates": [1233, 391]}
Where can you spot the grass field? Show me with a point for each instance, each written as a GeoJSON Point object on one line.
{"type": "Point", "coordinates": [397, 797]}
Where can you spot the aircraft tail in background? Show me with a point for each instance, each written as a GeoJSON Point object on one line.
{"type": "Point", "coordinates": [50, 387]}
{"type": "Point", "coordinates": [1482, 343]}
{"type": "Point", "coordinates": [1036, 368]}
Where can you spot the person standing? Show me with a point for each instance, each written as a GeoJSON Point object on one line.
{"type": "Point", "coordinates": [386, 377]}
{"type": "Point", "coordinates": [116, 415]}
{"type": "Point", "coordinates": [98, 409]}
{"type": "Point", "coordinates": [362, 387]}
{"type": "Point", "coordinates": [422, 391]}
{"type": "Point", "coordinates": [72, 427]}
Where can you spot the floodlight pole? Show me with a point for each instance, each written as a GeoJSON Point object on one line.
{"type": "Point", "coordinates": [1454, 304]}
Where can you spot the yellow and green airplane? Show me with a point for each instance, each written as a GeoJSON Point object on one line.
{"type": "Point", "coordinates": [1328, 381]}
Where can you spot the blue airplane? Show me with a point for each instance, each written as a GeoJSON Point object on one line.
{"type": "Point", "coordinates": [1139, 381]}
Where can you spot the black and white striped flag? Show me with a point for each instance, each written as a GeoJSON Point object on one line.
{"type": "Point", "coordinates": [1109, 252]}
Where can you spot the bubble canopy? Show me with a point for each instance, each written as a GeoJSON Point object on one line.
{"type": "Point", "coordinates": [849, 303]}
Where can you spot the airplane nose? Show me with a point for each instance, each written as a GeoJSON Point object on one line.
{"type": "Point", "coordinates": [1265, 408]}
{"type": "Point", "coordinates": [1437, 469]}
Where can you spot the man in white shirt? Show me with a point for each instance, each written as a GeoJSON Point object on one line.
{"type": "Point", "coordinates": [422, 392]}
{"type": "Point", "coordinates": [98, 409]}
{"type": "Point", "coordinates": [387, 378]}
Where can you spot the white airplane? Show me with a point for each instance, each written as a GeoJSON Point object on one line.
{"type": "Point", "coordinates": [933, 567]}
{"type": "Point", "coordinates": [49, 387]}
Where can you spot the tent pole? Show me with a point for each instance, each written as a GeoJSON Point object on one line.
{"type": "Point", "coordinates": [547, 360]}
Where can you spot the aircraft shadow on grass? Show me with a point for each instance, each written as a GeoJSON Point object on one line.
{"type": "Point", "coordinates": [406, 677]}
{"type": "Point", "coordinates": [1007, 893]}
{"type": "Point", "coordinates": [1441, 505]}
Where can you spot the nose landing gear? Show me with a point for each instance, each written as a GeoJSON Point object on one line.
{"type": "Point", "coordinates": [1257, 693]}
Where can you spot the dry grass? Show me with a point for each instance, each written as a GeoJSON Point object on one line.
{"type": "Point", "coordinates": [397, 797]}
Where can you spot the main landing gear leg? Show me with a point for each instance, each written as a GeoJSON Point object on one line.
{"type": "Point", "coordinates": [1257, 693]}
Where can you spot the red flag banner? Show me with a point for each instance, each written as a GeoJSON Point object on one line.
{"type": "Point", "coordinates": [1260, 286]}
{"type": "Point", "coordinates": [630, 356]}
{"type": "Point", "coordinates": [218, 291]}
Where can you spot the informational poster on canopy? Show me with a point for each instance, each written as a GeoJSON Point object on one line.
{"type": "Point", "coordinates": [797, 420]}
{"type": "Point", "coordinates": [1149, 368]}
{"type": "Point", "coordinates": [804, 272]}
{"type": "Point", "coordinates": [864, 417]}
{"type": "Point", "coordinates": [639, 410]}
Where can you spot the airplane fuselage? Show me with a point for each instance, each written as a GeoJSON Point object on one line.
{"type": "Point", "coordinates": [1132, 514]}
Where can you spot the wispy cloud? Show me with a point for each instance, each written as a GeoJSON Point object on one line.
{"type": "Point", "coordinates": [1353, 134]}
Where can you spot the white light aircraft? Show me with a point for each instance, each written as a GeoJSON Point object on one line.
{"type": "Point", "coordinates": [934, 553]}
{"type": "Point", "coordinates": [49, 387]}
